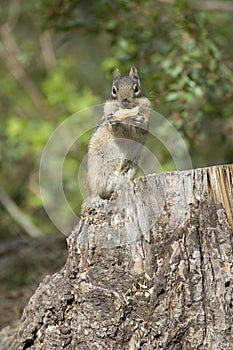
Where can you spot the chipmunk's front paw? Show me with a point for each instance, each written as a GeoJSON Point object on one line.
{"type": "Point", "coordinates": [110, 118]}
{"type": "Point", "coordinates": [139, 119]}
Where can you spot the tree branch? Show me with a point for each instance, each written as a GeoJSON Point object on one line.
{"type": "Point", "coordinates": [18, 216]}
{"type": "Point", "coordinates": [11, 53]}
{"type": "Point", "coordinates": [47, 51]}
{"type": "Point", "coordinates": [208, 5]}
{"type": "Point", "coordinates": [212, 5]}
{"type": "Point", "coordinates": [14, 13]}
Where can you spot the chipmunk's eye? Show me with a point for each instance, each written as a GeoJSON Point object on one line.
{"type": "Point", "coordinates": [136, 89]}
{"type": "Point", "coordinates": [114, 91]}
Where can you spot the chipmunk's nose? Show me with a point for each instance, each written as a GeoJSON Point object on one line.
{"type": "Point", "coordinates": [125, 102]}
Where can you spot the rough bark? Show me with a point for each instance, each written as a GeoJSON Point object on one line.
{"type": "Point", "coordinates": [151, 269]}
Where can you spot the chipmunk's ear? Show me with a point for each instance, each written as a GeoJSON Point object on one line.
{"type": "Point", "coordinates": [134, 73]}
{"type": "Point", "coordinates": [117, 73]}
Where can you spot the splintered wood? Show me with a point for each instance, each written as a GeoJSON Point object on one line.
{"type": "Point", "coordinates": [221, 186]}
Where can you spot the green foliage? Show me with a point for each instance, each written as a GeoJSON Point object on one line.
{"type": "Point", "coordinates": [62, 91]}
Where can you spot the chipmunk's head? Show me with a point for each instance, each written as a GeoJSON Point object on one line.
{"type": "Point", "coordinates": [126, 90]}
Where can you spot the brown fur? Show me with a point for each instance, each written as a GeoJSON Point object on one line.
{"type": "Point", "coordinates": [115, 146]}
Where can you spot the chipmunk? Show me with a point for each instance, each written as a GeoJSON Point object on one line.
{"type": "Point", "coordinates": [115, 146]}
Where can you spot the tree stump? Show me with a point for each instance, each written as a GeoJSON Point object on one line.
{"type": "Point", "coordinates": [151, 269]}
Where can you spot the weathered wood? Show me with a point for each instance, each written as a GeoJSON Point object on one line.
{"type": "Point", "coordinates": [151, 269]}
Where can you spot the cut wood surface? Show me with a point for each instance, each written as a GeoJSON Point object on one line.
{"type": "Point", "coordinates": [150, 269]}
